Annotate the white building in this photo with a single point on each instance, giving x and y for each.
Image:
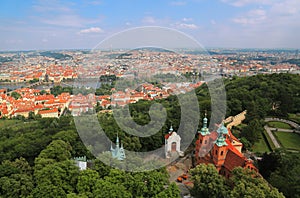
(172, 144)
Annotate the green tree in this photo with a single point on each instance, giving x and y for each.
(16, 95)
(58, 150)
(48, 190)
(247, 183)
(252, 132)
(207, 182)
(171, 192)
(17, 185)
(286, 175)
(61, 174)
(104, 188)
(87, 180)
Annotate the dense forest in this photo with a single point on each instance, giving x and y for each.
(36, 153)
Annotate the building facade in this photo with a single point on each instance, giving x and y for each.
(220, 148)
(172, 144)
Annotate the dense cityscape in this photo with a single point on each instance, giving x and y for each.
(133, 99)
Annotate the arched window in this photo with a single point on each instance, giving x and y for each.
(216, 152)
(222, 153)
(205, 142)
(200, 141)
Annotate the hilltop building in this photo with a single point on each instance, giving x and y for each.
(220, 148)
(118, 152)
(172, 144)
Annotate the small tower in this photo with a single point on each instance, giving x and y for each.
(118, 152)
(172, 144)
(220, 148)
(203, 141)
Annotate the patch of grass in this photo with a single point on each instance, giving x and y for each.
(280, 125)
(294, 117)
(288, 140)
(261, 146)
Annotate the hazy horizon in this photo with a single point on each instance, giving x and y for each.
(82, 24)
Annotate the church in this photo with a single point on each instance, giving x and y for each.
(118, 152)
(172, 144)
(220, 148)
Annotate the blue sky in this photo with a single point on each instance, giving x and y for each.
(58, 24)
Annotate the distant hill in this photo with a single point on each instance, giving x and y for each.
(56, 55)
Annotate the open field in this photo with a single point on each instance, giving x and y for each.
(280, 125)
(261, 146)
(288, 140)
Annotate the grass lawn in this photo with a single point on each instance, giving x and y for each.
(261, 146)
(5, 123)
(280, 125)
(294, 117)
(288, 140)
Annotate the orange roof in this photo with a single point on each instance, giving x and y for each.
(168, 135)
(233, 160)
(48, 111)
(233, 149)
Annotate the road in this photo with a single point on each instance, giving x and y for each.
(284, 130)
(274, 140)
(293, 124)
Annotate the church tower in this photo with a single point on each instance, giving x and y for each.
(118, 152)
(220, 148)
(203, 143)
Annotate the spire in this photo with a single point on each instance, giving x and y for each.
(118, 152)
(117, 141)
(204, 130)
(222, 130)
(171, 129)
(205, 120)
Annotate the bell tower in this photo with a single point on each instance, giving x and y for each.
(220, 148)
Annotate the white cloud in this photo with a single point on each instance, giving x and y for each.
(240, 3)
(186, 26)
(187, 19)
(149, 20)
(252, 17)
(91, 30)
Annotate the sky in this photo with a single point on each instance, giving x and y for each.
(82, 24)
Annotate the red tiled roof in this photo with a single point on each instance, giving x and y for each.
(233, 160)
(233, 149)
(168, 135)
(48, 111)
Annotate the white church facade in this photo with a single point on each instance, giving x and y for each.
(172, 144)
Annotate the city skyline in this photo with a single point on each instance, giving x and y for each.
(82, 24)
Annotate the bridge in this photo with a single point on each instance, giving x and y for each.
(31, 85)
